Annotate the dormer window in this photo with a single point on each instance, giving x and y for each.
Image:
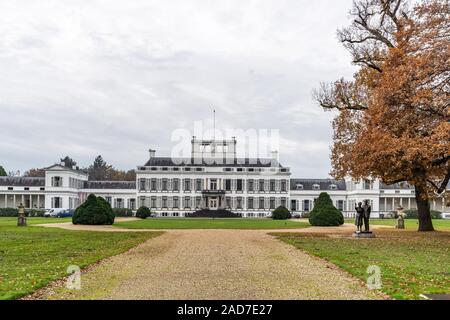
(333, 187)
(316, 186)
(299, 186)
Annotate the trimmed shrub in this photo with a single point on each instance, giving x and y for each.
(94, 211)
(413, 214)
(122, 212)
(325, 213)
(281, 213)
(143, 212)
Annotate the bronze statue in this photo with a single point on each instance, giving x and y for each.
(359, 217)
(367, 209)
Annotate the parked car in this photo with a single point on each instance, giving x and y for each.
(53, 212)
(66, 213)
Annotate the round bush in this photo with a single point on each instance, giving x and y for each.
(143, 212)
(413, 214)
(325, 213)
(94, 211)
(281, 213)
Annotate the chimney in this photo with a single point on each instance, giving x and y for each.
(152, 153)
(275, 155)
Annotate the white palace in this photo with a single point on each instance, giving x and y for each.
(212, 178)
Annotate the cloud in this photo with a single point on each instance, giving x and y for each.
(117, 77)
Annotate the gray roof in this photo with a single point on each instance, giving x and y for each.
(323, 183)
(182, 162)
(22, 181)
(110, 185)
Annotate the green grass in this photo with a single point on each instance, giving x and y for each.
(410, 224)
(411, 263)
(196, 223)
(31, 257)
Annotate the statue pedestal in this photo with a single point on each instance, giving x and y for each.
(21, 222)
(363, 234)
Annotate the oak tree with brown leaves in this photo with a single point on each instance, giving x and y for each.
(393, 119)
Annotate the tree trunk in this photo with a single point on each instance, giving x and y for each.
(423, 209)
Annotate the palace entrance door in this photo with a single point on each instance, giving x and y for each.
(213, 203)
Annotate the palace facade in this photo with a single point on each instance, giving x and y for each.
(212, 178)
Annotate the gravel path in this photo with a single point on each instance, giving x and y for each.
(213, 264)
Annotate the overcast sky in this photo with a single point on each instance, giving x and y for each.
(118, 77)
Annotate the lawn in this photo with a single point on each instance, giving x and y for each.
(31, 257)
(411, 263)
(197, 223)
(410, 224)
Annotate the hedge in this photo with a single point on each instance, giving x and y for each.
(413, 214)
(122, 212)
(143, 212)
(281, 213)
(14, 212)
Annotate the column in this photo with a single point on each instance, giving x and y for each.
(31, 201)
(401, 202)
(393, 204)
(409, 203)
(6, 201)
(385, 204)
(23, 200)
(14, 203)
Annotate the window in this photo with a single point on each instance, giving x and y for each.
(367, 184)
(251, 169)
(250, 185)
(176, 202)
(26, 188)
(56, 181)
(228, 185)
(153, 185)
(283, 185)
(261, 185)
(132, 204)
(306, 205)
(239, 184)
(153, 202)
(272, 185)
(261, 203)
(175, 169)
(109, 200)
(42, 189)
(10, 188)
(56, 202)
(141, 184)
(154, 169)
(198, 185)
(198, 202)
(187, 185)
(239, 169)
(283, 202)
(164, 184)
(118, 203)
(213, 184)
(250, 203)
(175, 214)
(272, 203)
(239, 203)
(333, 187)
(228, 203)
(228, 169)
(187, 202)
(164, 202)
(340, 205)
(299, 186)
(165, 169)
(316, 186)
(293, 205)
(187, 169)
(198, 169)
(176, 185)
